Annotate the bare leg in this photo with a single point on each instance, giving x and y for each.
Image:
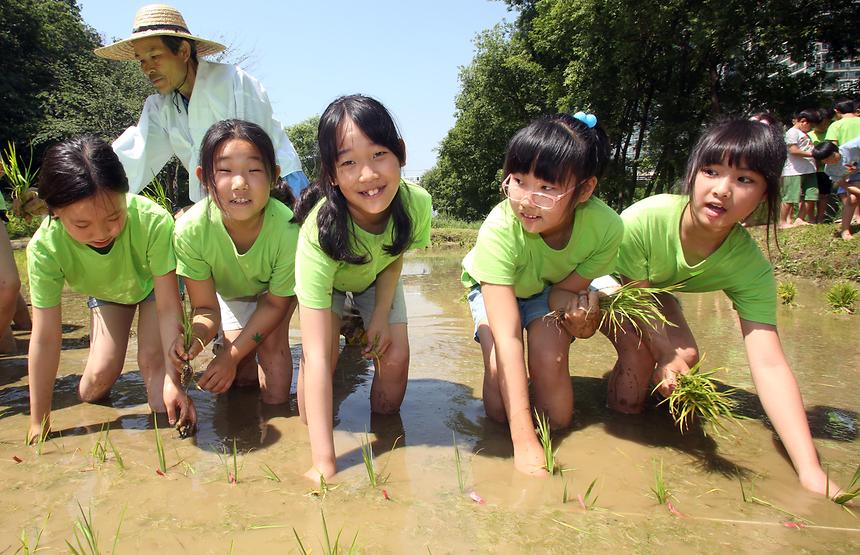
(389, 380)
(549, 351)
(275, 371)
(150, 355)
(108, 343)
(10, 286)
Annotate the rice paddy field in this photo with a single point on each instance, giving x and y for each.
(445, 481)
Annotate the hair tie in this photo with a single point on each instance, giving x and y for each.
(588, 119)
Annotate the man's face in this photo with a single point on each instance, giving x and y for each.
(164, 69)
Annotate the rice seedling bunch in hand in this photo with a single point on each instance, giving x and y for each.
(637, 305)
(186, 376)
(696, 397)
(25, 202)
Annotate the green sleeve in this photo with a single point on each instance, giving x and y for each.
(421, 211)
(753, 294)
(605, 254)
(46, 276)
(162, 258)
(494, 256)
(632, 257)
(315, 270)
(189, 260)
(283, 280)
(833, 132)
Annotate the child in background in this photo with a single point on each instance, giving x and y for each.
(116, 247)
(825, 185)
(840, 163)
(351, 244)
(538, 250)
(236, 250)
(799, 183)
(695, 241)
(10, 284)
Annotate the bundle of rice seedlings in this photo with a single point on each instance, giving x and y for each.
(187, 374)
(156, 192)
(637, 305)
(843, 297)
(696, 397)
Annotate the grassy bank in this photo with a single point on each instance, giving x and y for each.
(812, 252)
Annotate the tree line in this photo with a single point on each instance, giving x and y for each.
(653, 71)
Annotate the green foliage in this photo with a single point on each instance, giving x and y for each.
(545, 436)
(786, 291)
(20, 176)
(19, 227)
(303, 135)
(852, 491)
(842, 298)
(654, 72)
(696, 396)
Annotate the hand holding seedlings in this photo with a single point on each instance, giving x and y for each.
(695, 396)
(666, 374)
(580, 315)
(377, 338)
(178, 403)
(220, 373)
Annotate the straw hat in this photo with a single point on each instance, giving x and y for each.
(152, 21)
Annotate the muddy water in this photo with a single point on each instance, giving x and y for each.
(195, 509)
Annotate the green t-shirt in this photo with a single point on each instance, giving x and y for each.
(652, 251)
(317, 274)
(143, 249)
(205, 250)
(843, 130)
(816, 140)
(506, 254)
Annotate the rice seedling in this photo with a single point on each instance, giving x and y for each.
(696, 397)
(637, 305)
(86, 539)
(226, 459)
(367, 456)
(587, 502)
(461, 481)
(116, 455)
(39, 441)
(99, 450)
(323, 490)
(842, 298)
(545, 437)
(186, 376)
(660, 491)
(159, 447)
(786, 291)
(20, 177)
(269, 473)
(851, 492)
(157, 193)
(328, 547)
(752, 499)
(27, 546)
(564, 497)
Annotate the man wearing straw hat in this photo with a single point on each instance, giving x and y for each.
(192, 95)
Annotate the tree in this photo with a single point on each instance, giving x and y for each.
(303, 135)
(653, 71)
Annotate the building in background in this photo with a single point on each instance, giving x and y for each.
(845, 74)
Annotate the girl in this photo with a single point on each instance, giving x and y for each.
(539, 250)
(237, 281)
(695, 241)
(352, 243)
(115, 247)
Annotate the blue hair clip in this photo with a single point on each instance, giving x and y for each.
(588, 119)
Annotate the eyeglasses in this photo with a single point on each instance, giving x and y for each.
(542, 200)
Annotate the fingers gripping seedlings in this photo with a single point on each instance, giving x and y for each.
(696, 397)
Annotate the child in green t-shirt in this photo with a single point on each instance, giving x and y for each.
(537, 251)
(236, 252)
(351, 245)
(116, 248)
(696, 243)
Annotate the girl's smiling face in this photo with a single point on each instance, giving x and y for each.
(242, 181)
(368, 175)
(543, 207)
(724, 195)
(95, 221)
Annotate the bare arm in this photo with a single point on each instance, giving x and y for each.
(780, 396)
(170, 326)
(206, 313)
(316, 326)
(377, 329)
(44, 359)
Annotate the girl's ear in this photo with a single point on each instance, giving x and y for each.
(403, 145)
(199, 173)
(277, 175)
(586, 189)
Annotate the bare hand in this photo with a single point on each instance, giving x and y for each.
(665, 376)
(175, 398)
(220, 373)
(582, 315)
(378, 338)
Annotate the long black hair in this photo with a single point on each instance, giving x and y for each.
(335, 226)
(79, 168)
(751, 144)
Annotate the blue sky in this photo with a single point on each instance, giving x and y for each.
(407, 54)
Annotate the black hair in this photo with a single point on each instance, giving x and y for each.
(743, 143)
(229, 129)
(175, 43)
(824, 150)
(79, 168)
(811, 115)
(558, 149)
(846, 106)
(827, 113)
(335, 226)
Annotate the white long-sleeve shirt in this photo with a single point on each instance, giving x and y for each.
(221, 91)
